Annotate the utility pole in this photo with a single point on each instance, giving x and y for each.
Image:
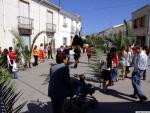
(59, 3)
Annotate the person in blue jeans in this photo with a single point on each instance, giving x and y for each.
(139, 67)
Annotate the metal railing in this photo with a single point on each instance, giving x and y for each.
(50, 27)
(64, 24)
(25, 23)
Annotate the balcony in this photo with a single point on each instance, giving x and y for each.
(25, 23)
(50, 28)
(65, 25)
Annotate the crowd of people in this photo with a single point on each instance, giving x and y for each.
(42, 53)
(9, 58)
(60, 75)
(119, 64)
(8, 61)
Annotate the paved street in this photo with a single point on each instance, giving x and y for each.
(115, 101)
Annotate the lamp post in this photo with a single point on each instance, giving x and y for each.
(59, 3)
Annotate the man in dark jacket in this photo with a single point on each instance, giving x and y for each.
(59, 85)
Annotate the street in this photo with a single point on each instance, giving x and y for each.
(117, 99)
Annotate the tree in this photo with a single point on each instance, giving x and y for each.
(122, 39)
(128, 33)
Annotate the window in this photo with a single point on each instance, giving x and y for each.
(72, 22)
(64, 22)
(23, 9)
(26, 40)
(142, 21)
(49, 17)
(135, 23)
(64, 41)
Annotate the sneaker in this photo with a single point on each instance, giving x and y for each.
(133, 96)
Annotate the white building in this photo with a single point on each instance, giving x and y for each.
(69, 25)
(30, 17)
(141, 25)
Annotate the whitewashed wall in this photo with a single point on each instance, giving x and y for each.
(9, 11)
(8, 21)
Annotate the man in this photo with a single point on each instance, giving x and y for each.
(60, 82)
(139, 67)
(50, 51)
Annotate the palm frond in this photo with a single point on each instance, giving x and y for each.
(19, 44)
(112, 40)
(8, 95)
(128, 28)
(18, 38)
(34, 40)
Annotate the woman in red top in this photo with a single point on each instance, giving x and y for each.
(114, 65)
(11, 57)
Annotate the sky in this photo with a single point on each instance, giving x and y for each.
(98, 15)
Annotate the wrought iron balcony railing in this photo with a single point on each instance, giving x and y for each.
(64, 24)
(50, 27)
(25, 23)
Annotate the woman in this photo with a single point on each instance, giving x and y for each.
(114, 65)
(59, 85)
(12, 57)
(128, 61)
(5, 63)
(46, 50)
(89, 52)
(41, 52)
(76, 56)
(35, 54)
(122, 63)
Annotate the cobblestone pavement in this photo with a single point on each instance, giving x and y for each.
(117, 99)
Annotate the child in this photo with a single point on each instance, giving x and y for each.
(14, 69)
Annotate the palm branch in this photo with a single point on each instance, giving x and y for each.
(8, 95)
(19, 44)
(128, 33)
(34, 40)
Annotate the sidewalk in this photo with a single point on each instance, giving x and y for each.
(116, 101)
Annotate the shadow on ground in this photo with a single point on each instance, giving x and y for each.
(39, 107)
(120, 107)
(117, 94)
(101, 107)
